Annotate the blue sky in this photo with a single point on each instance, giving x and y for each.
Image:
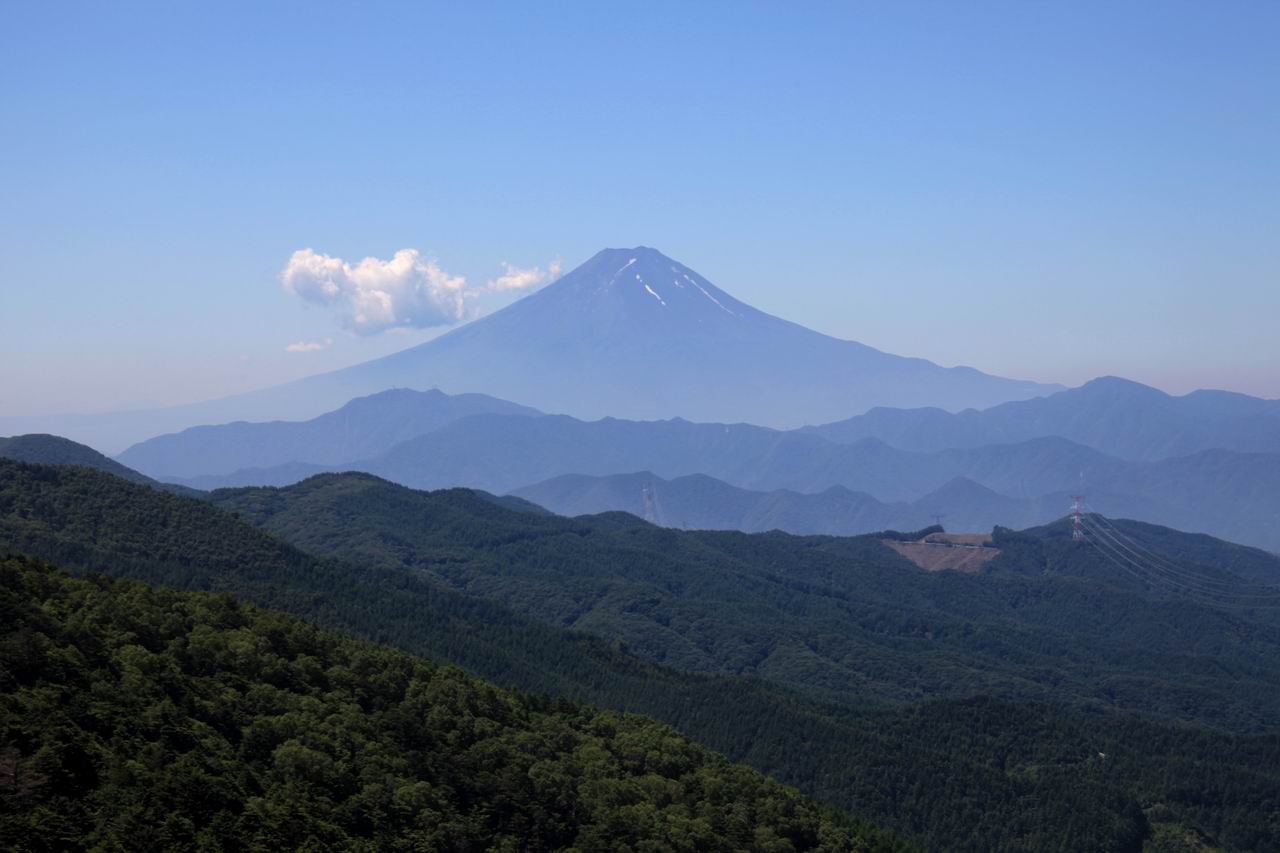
(1050, 191)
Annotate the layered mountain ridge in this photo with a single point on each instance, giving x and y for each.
(700, 502)
(1116, 416)
(361, 429)
(803, 481)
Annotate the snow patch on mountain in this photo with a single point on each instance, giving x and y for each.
(654, 294)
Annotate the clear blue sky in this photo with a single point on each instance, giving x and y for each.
(1051, 191)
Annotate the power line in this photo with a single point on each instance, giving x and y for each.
(1147, 573)
(1153, 574)
(1167, 567)
(1108, 548)
(1164, 585)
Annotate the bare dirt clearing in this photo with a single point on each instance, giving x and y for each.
(957, 552)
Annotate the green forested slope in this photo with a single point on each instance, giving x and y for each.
(842, 619)
(42, 449)
(1214, 558)
(141, 719)
(972, 775)
(56, 450)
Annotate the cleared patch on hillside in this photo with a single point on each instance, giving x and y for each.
(956, 552)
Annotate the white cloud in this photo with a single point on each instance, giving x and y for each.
(516, 278)
(375, 295)
(308, 346)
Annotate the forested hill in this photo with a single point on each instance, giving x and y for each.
(1217, 561)
(55, 450)
(974, 774)
(842, 619)
(141, 719)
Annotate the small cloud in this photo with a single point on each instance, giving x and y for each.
(407, 292)
(375, 295)
(309, 346)
(516, 278)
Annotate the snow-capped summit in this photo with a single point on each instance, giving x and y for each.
(653, 280)
(625, 291)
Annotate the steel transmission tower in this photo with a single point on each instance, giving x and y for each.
(1077, 510)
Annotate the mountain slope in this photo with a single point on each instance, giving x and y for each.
(364, 427)
(1042, 783)
(1112, 415)
(56, 450)
(215, 725)
(629, 333)
(795, 610)
(1240, 561)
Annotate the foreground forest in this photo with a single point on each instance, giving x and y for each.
(144, 719)
(971, 772)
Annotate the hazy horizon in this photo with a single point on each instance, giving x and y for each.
(413, 340)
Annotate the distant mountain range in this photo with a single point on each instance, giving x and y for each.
(750, 477)
(500, 453)
(1116, 416)
(630, 333)
(697, 501)
(1206, 461)
(1232, 495)
(364, 428)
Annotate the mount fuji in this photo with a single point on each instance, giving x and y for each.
(630, 333)
(634, 334)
